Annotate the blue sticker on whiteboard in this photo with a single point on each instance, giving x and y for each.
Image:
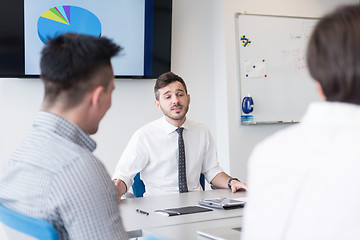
(247, 118)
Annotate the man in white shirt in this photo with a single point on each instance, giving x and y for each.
(153, 149)
(304, 181)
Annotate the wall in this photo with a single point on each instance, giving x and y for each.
(203, 53)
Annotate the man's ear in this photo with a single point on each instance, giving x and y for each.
(320, 91)
(157, 104)
(95, 95)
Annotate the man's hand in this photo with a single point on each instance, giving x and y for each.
(237, 186)
(120, 187)
(221, 181)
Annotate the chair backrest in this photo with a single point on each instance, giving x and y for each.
(202, 181)
(139, 187)
(19, 226)
(151, 237)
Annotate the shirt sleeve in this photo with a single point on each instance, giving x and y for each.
(210, 167)
(85, 198)
(133, 160)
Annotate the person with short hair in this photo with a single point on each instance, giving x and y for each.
(154, 149)
(53, 174)
(303, 180)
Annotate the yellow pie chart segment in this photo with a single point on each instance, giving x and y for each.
(53, 14)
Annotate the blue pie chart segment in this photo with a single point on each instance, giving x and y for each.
(63, 19)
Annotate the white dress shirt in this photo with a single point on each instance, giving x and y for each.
(304, 181)
(153, 151)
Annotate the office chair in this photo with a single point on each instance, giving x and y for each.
(19, 226)
(139, 187)
(154, 238)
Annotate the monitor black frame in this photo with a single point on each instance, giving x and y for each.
(158, 27)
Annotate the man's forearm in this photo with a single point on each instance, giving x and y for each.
(220, 180)
(121, 187)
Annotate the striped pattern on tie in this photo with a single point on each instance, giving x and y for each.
(182, 165)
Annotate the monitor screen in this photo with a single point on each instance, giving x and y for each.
(141, 27)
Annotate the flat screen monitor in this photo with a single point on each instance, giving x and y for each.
(141, 27)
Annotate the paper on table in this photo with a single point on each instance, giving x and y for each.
(167, 213)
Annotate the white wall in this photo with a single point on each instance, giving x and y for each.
(203, 53)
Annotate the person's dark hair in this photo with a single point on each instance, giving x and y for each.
(333, 54)
(68, 63)
(165, 79)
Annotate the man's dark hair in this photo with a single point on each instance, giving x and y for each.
(68, 63)
(333, 54)
(165, 79)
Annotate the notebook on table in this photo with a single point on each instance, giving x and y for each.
(182, 210)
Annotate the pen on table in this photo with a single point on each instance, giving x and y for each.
(141, 211)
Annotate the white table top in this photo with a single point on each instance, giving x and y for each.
(134, 222)
(189, 230)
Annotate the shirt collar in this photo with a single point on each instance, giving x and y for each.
(169, 128)
(65, 129)
(325, 112)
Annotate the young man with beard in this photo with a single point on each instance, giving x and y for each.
(154, 149)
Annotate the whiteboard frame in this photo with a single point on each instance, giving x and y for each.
(237, 39)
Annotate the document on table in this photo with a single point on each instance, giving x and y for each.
(182, 210)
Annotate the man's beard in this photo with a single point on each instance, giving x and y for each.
(176, 117)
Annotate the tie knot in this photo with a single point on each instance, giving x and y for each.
(179, 130)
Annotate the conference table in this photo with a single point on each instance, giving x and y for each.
(185, 226)
(188, 231)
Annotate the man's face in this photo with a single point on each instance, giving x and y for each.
(104, 102)
(173, 102)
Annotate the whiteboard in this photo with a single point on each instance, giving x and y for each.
(272, 66)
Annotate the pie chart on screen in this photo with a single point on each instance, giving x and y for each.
(63, 19)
